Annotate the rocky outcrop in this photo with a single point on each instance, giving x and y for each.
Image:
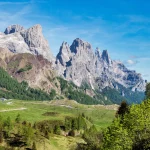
(13, 29)
(36, 42)
(19, 40)
(78, 63)
(78, 66)
(62, 58)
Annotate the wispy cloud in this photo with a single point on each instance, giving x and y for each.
(21, 2)
(131, 62)
(13, 3)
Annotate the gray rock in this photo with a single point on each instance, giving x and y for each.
(14, 42)
(37, 43)
(64, 54)
(80, 64)
(13, 29)
(19, 40)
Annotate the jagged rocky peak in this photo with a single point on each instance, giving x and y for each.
(64, 54)
(20, 40)
(33, 36)
(105, 56)
(37, 43)
(98, 53)
(79, 63)
(80, 45)
(13, 29)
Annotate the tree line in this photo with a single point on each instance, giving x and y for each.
(10, 88)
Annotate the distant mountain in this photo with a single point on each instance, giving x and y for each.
(26, 55)
(79, 63)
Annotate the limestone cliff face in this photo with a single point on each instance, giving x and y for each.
(13, 29)
(78, 63)
(19, 40)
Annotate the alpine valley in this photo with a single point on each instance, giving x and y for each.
(78, 72)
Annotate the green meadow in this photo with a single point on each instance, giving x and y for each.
(34, 111)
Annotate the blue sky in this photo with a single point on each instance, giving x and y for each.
(120, 26)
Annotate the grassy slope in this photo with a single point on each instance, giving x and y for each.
(101, 116)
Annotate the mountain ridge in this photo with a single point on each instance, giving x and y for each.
(77, 63)
(90, 66)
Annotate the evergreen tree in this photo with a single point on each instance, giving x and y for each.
(57, 129)
(74, 124)
(18, 118)
(147, 92)
(122, 109)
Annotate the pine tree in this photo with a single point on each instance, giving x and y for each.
(18, 118)
(74, 124)
(57, 129)
(122, 109)
(147, 92)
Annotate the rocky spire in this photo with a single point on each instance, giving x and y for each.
(98, 53)
(97, 68)
(64, 54)
(79, 45)
(37, 43)
(13, 29)
(105, 56)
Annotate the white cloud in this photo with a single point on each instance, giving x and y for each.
(131, 62)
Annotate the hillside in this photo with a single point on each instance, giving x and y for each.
(10, 88)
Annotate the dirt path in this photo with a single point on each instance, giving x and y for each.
(12, 109)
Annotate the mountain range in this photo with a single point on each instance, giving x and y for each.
(25, 54)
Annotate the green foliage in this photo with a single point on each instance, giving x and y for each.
(18, 118)
(81, 122)
(8, 123)
(85, 85)
(63, 84)
(147, 92)
(28, 133)
(57, 129)
(73, 93)
(52, 93)
(67, 123)
(26, 68)
(92, 138)
(132, 132)
(124, 108)
(116, 95)
(77, 123)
